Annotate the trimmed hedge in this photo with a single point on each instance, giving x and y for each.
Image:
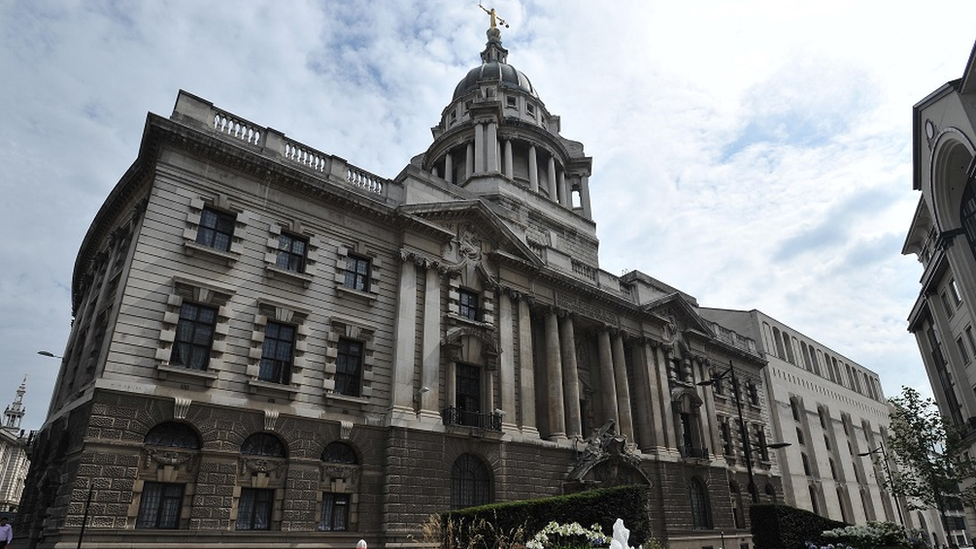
(785, 527)
(481, 527)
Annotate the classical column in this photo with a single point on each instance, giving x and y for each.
(431, 350)
(491, 147)
(642, 399)
(710, 420)
(405, 336)
(506, 360)
(655, 396)
(567, 337)
(526, 369)
(479, 148)
(553, 184)
(509, 163)
(533, 170)
(557, 416)
(433, 171)
(666, 412)
(623, 388)
(468, 161)
(585, 196)
(607, 384)
(564, 197)
(449, 167)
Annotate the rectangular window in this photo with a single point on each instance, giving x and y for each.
(335, 512)
(962, 349)
(827, 442)
(954, 291)
(216, 229)
(468, 394)
(511, 101)
(761, 443)
(349, 367)
(971, 339)
(753, 394)
(160, 505)
(254, 509)
(291, 253)
(277, 353)
(469, 305)
(945, 304)
(726, 438)
(194, 336)
(799, 437)
(357, 273)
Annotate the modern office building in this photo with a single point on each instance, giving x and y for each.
(274, 347)
(835, 417)
(942, 235)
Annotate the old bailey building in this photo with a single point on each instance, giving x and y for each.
(274, 347)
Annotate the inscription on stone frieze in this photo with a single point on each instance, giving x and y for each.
(585, 308)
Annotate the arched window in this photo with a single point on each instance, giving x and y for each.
(173, 435)
(470, 482)
(338, 452)
(163, 492)
(967, 215)
(701, 512)
(340, 479)
(263, 444)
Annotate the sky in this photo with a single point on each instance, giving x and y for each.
(754, 154)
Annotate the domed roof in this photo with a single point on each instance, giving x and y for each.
(495, 71)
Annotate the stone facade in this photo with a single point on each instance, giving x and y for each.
(13, 455)
(942, 235)
(268, 339)
(830, 410)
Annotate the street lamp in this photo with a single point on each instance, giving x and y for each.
(884, 454)
(48, 354)
(746, 446)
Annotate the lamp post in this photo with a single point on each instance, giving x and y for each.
(84, 518)
(746, 445)
(884, 455)
(48, 354)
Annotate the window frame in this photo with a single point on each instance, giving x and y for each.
(280, 370)
(287, 258)
(471, 483)
(355, 279)
(154, 506)
(209, 228)
(466, 309)
(333, 503)
(267, 496)
(197, 328)
(346, 377)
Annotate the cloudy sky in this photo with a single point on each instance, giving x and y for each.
(755, 153)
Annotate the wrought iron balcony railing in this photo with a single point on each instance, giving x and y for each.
(489, 421)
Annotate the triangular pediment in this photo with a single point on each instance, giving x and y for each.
(450, 219)
(678, 315)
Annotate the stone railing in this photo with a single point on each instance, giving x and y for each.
(584, 270)
(274, 144)
(734, 339)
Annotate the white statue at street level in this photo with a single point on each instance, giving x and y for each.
(621, 536)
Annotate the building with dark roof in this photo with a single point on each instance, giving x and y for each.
(273, 346)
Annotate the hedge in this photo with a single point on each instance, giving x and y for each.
(785, 527)
(481, 527)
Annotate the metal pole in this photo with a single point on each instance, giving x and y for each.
(84, 518)
(746, 447)
(891, 483)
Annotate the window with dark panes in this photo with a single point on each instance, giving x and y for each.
(335, 512)
(173, 435)
(338, 452)
(160, 505)
(277, 353)
(254, 509)
(701, 513)
(216, 229)
(469, 305)
(349, 367)
(357, 273)
(468, 393)
(194, 336)
(470, 482)
(292, 251)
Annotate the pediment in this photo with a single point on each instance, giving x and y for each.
(679, 317)
(473, 227)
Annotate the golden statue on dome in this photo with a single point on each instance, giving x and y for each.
(495, 20)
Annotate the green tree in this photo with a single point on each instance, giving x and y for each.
(931, 453)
